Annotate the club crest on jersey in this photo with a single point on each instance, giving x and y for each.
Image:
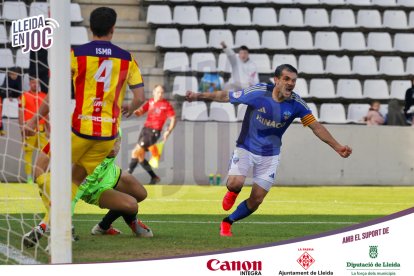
(286, 115)
(237, 94)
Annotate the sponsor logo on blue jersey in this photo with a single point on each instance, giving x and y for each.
(269, 123)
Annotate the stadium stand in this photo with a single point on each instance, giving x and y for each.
(345, 42)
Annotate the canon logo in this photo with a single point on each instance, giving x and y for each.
(215, 265)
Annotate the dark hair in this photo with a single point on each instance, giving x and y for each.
(244, 47)
(288, 67)
(102, 20)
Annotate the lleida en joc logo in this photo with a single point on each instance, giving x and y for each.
(244, 267)
(33, 33)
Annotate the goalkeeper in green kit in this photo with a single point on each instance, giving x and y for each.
(108, 187)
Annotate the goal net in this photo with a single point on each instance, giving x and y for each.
(23, 76)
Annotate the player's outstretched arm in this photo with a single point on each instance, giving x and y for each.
(217, 96)
(322, 133)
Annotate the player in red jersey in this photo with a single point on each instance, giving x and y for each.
(159, 110)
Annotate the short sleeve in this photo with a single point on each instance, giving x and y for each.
(248, 95)
(134, 77)
(145, 106)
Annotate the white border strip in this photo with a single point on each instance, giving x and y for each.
(16, 255)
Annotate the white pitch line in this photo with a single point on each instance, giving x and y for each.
(219, 200)
(16, 255)
(241, 222)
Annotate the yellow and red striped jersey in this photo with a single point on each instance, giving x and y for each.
(101, 71)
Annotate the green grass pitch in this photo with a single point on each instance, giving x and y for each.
(185, 219)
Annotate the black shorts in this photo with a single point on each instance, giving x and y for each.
(148, 137)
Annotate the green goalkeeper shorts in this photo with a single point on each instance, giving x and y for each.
(104, 177)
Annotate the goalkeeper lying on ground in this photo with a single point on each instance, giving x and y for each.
(107, 187)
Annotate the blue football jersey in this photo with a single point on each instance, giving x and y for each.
(266, 120)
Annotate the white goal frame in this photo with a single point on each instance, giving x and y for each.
(60, 136)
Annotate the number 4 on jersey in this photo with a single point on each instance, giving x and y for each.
(104, 74)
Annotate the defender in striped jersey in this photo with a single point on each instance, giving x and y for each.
(101, 71)
(271, 109)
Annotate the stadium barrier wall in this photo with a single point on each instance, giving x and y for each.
(382, 155)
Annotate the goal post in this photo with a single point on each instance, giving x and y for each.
(60, 136)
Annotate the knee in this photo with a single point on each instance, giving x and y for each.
(142, 195)
(234, 184)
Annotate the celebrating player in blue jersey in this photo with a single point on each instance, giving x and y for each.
(271, 109)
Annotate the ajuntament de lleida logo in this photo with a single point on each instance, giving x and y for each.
(373, 251)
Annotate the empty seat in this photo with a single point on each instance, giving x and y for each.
(2, 78)
(332, 113)
(291, 17)
(406, 3)
(203, 62)
(14, 10)
(194, 111)
(194, 38)
(280, 59)
(301, 88)
(376, 89)
(249, 38)
(384, 2)
(395, 19)
(262, 62)
(338, 65)
(359, 2)
(217, 36)
(238, 16)
(409, 69)
(241, 111)
(6, 58)
(343, 18)
(176, 62)
(78, 35)
(222, 112)
(224, 63)
(379, 42)
(159, 14)
(39, 8)
(311, 64)
(404, 42)
(327, 41)
(22, 60)
(314, 110)
(75, 13)
(3, 34)
(392, 66)
(364, 65)
(167, 38)
(185, 15)
(264, 17)
(369, 19)
(10, 108)
(349, 89)
(322, 88)
(354, 41)
(357, 112)
(333, 2)
(273, 40)
(212, 16)
(301, 40)
(182, 84)
(281, 1)
(316, 17)
(398, 88)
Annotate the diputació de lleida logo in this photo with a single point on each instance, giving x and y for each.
(373, 251)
